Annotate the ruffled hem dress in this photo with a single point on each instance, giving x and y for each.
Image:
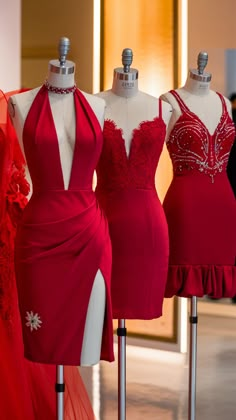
(200, 208)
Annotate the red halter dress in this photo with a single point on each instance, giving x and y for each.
(137, 224)
(200, 208)
(27, 389)
(62, 240)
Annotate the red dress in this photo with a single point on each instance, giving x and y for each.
(26, 388)
(200, 208)
(137, 224)
(62, 240)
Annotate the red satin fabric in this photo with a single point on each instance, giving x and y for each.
(26, 388)
(62, 240)
(200, 208)
(137, 224)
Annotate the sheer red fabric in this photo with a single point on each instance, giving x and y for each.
(26, 388)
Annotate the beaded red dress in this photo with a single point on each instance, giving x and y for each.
(200, 208)
(137, 224)
(62, 239)
(26, 388)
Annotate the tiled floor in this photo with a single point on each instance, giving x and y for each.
(158, 390)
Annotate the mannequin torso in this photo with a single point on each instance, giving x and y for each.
(63, 112)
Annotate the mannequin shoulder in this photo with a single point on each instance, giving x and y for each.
(168, 98)
(166, 112)
(104, 94)
(107, 96)
(21, 102)
(228, 105)
(98, 106)
(215, 96)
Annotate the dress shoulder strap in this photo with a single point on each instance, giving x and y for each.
(180, 101)
(224, 106)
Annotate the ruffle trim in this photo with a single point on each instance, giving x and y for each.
(217, 281)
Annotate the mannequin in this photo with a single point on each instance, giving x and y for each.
(63, 112)
(202, 232)
(134, 133)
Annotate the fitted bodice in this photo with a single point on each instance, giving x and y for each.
(42, 148)
(193, 148)
(116, 170)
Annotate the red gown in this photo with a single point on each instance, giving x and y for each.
(26, 388)
(137, 224)
(62, 239)
(200, 208)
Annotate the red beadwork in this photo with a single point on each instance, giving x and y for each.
(200, 208)
(192, 147)
(61, 91)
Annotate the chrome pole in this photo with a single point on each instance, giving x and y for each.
(121, 332)
(193, 319)
(60, 389)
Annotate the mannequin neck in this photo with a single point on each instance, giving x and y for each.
(197, 87)
(56, 78)
(125, 84)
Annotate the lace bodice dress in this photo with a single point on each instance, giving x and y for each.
(137, 225)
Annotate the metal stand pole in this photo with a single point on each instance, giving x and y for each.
(121, 333)
(193, 319)
(60, 389)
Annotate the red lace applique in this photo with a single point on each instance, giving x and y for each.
(13, 191)
(116, 170)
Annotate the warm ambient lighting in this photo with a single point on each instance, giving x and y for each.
(147, 28)
(183, 40)
(96, 44)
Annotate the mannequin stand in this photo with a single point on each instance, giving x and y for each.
(193, 319)
(60, 389)
(121, 333)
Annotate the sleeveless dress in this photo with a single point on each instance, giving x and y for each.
(200, 208)
(26, 388)
(62, 240)
(137, 224)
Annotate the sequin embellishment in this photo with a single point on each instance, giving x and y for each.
(33, 321)
(192, 147)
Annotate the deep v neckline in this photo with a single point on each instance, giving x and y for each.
(122, 140)
(185, 110)
(134, 133)
(57, 142)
